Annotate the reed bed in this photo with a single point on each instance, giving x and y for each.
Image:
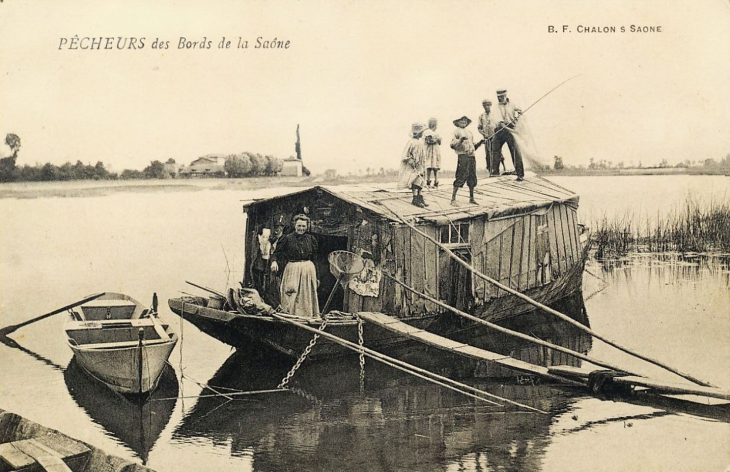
(693, 226)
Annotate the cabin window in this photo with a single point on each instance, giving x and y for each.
(455, 234)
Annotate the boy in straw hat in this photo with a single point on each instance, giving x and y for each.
(412, 167)
(466, 167)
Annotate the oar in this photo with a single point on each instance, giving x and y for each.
(9, 329)
(210, 290)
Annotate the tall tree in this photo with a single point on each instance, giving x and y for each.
(7, 164)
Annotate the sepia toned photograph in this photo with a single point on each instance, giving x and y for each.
(475, 235)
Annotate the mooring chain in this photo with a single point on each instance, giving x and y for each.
(304, 355)
(362, 352)
(307, 396)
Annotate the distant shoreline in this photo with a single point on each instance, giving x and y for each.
(635, 171)
(88, 188)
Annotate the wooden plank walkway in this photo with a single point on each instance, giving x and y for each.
(431, 339)
(51, 453)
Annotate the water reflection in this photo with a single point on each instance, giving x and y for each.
(673, 268)
(397, 423)
(135, 423)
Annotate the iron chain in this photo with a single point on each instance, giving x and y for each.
(304, 355)
(362, 353)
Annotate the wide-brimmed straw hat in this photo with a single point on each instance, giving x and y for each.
(418, 128)
(468, 121)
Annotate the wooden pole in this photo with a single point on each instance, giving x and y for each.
(555, 312)
(9, 329)
(404, 366)
(511, 332)
(332, 295)
(209, 290)
(140, 334)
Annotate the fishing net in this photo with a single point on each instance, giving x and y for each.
(345, 265)
(531, 157)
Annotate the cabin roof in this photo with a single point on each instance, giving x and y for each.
(495, 197)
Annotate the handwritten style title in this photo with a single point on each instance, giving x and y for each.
(100, 43)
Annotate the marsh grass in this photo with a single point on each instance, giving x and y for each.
(693, 226)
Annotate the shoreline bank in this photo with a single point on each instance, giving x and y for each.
(96, 188)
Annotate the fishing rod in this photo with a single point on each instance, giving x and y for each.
(522, 112)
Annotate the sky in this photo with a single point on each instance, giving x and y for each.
(357, 75)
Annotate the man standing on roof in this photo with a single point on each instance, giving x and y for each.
(486, 129)
(412, 168)
(466, 167)
(433, 152)
(504, 132)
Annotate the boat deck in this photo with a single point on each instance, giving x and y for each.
(426, 337)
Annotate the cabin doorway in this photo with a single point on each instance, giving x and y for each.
(327, 281)
(455, 281)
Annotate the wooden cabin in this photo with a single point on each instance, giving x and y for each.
(523, 234)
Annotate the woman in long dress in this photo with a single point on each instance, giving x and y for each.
(412, 167)
(299, 281)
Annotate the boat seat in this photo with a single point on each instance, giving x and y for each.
(122, 344)
(98, 310)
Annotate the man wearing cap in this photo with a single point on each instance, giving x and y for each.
(412, 165)
(466, 167)
(503, 133)
(486, 128)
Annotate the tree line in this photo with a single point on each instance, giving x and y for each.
(248, 164)
(245, 164)
(722, 166)
(50, 172)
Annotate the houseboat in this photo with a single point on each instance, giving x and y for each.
(523, 234)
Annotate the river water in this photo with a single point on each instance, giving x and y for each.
(55, 250)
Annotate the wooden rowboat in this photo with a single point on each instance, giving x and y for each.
(120, 342)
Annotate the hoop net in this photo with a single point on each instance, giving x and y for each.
(345, 265)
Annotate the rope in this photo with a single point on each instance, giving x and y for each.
(409, 368)
(182, 337)
(228, 396)
(601, 381)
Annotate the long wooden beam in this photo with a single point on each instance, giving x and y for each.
(513, 333)
(655, 385)
(455, 347)
(557, 313)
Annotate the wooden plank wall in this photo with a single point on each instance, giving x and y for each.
(510, 251)
(564, 248)
(414, 260)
